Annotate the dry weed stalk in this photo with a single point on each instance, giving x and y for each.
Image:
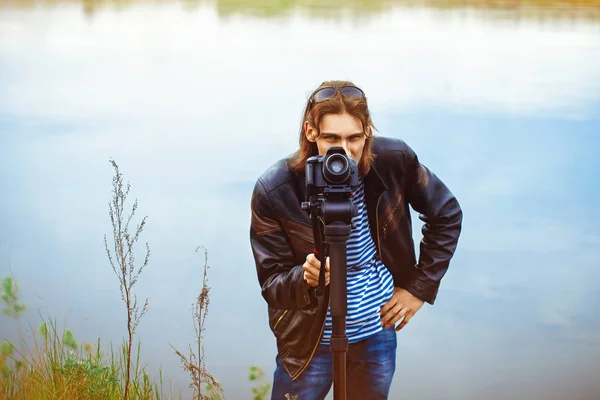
(123, 260)
(196, 364)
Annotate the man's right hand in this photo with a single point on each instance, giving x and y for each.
(312, 268)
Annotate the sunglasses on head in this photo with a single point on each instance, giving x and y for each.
(329, 92)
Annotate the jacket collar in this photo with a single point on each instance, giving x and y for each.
(374, 182)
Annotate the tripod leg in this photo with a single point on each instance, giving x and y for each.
(337, 235)
(339, 346)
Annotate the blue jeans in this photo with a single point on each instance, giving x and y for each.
(370, 367)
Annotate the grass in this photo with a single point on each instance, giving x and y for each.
(55, 366)
(49, 362)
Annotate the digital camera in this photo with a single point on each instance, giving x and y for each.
(334, 173)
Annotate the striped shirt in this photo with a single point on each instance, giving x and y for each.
(369, 284)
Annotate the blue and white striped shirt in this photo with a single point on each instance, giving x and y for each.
(370, 285)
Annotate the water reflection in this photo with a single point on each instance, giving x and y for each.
(195, 102)
(512, 11)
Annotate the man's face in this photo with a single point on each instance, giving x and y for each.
(343, 130)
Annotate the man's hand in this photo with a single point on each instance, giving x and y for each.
(402, 304)
(312, 268)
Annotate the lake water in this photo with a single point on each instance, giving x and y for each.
(195, 99)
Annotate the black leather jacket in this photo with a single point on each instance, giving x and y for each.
(281, 237)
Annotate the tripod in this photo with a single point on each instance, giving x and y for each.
(331, 217)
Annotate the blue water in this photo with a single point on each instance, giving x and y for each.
(193, 110)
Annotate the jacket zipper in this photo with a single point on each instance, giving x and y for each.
(377, 220)
(279, 320)
(389, 220)
(317, 345)
(300, 235)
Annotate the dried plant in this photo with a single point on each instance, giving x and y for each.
(123, 261)
(195, 364)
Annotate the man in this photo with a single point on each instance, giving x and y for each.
(385, 283)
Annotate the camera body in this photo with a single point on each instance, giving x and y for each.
(333, 173)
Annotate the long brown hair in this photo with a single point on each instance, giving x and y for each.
(337, 105)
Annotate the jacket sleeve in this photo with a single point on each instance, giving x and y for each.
(281, 281)
(441, 213)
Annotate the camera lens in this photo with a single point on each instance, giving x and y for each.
(336, 166)
(336, 169)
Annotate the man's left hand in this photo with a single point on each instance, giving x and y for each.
(402, 304)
